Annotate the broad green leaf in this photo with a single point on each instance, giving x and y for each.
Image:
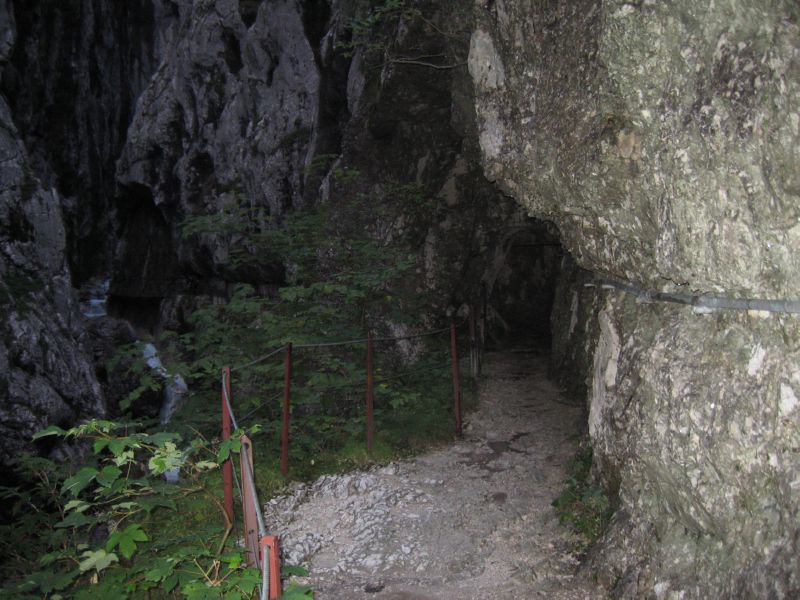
(170, 582)
(76, 505)
(198, 590)
(97, 560)
(52, 430)
(79, 481)
(51, 557)
(123, 445)
(99, 444)
(205, 465)
(76, 519)
(108, 475)
(163, 570)
(232, 559)
(248, 580)
(149, 503)
(232, 444)
(123, 458)
(127, 540)
(166, 458)
(47, 581)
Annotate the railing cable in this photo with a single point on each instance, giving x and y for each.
(312, 345)
(252, 484)
(258, 360)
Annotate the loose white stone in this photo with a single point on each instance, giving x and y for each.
(756, 360)
(484, 62)
(788, 400)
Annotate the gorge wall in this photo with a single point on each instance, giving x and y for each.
(142, 116)
(46, 375)
(662, 139)
(256, 107)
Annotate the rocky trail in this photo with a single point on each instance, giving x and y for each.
(472, 520)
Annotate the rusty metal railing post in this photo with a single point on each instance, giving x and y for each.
(456, 377)
(227, 467)
(270, 553)
(251, 528)
(287, 386)
(370, 395)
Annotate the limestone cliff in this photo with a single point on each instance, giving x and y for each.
(260, 107)
(72, 80)
(225, 122)
(661, 138)
(142, 115)
(46, 376)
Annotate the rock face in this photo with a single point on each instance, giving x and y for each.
(661, 138)
(45, 375)
(696, 417)
(72, 80)
(259, 108)
(143, 115)
(224, 124)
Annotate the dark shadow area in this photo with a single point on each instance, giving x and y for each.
(521, 287)
(145, 268)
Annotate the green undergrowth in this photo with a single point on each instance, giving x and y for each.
(319, 444)
(582, 505)
(109, 526)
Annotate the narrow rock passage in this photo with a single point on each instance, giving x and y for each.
(472, 520)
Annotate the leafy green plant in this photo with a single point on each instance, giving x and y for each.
(583, 506)
(347, 269)
(109, 526)
(95, 531)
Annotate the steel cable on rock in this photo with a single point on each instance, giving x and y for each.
(700, 303)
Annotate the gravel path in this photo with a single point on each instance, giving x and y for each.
(472, 520)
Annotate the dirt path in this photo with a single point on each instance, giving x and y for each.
(472, 520)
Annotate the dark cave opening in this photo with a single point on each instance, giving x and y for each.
(520, 288)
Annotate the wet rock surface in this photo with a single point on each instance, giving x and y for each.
(224, 123)
(264, 111)
(470, 520)
(72, 80)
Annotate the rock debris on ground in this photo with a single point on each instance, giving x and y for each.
(472, 520)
